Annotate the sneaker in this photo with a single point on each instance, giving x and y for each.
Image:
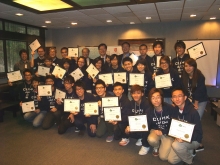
(124, 142)
(76, 129)
(139, 143)
(109, 139)
(200, 148)
(144, 150)
(155, 152)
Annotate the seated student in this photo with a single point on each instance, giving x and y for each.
(148, 81)
(78, 118)
(185, 111)
(66, 121)
(103, 126)
(139, 106)
(50, 105)
(166, 68)
(159, 124)
(36, 117)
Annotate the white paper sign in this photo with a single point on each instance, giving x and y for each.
(28, 106)
(134, 58)
(34, 45)
(14, 76)
(91, 108)
(71, 105)
(107, 78)
(59, 72)
(120, 77)
(197, 51)
(73, 52)
(43, 71)
(60, 94)
(92, 70)
(112, 113)
(138, 123)
(163, 81)
(44, 90)
(136, 79)
(77, 74)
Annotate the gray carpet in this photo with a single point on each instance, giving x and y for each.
(21, 144)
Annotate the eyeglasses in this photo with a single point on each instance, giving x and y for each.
(79, 89)
(99, 88)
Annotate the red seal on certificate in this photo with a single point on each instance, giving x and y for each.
(186, 136)
(48, 92)
(201, 52)
(123, 80)
(32, 107)
(95, 111)
(117, 116)
(144, 126)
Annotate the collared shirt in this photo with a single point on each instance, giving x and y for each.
(21, 65)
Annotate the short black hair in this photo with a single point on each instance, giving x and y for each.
(41, 47)
(35, 78)
(64, 48)
(113, 56)
(97, 60)
(69, 79)
(155, 90)
(118, 84)
(102, 44)
(158, 43)
(135, 88)
(180, 44)
(127, 59)
(80, 83)
(23, 51)
(142, 45)
(27, 70)
(48, 58)
(125, 43)
(99, 81)
(66, 60)
(50, 77)
(179, 89)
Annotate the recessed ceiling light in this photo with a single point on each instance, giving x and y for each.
(148, 17)
(212, 18)
(44, 26)
(47, 21)
(19, 14)
(74, 23)
(192, 15)
(132, 22)
(109, 20)
(68, 27)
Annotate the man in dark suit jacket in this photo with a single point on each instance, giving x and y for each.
(126, 52)
(85, 53)
(105, 58)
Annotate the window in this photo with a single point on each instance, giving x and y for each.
(1, 28)
(2, 64)
(12, 50)
(12, 27)
(33, 31)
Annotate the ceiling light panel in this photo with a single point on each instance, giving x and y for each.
(98, 2)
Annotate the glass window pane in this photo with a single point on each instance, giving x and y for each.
(12, 27)
(1, 28)
(2, 64)
(33, 31)
(12, 49)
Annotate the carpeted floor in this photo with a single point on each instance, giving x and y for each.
(21, 144)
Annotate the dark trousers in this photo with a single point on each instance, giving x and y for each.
(51, 118)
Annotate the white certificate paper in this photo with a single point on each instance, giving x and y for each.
(60, 94)
(120, 77)
(110, 101)
(136, 79)
(58, 71)
(158, 61)
(14, 76)
(134, 58)
(77, 74)
(73, 52)
(44, 90)
(182, 130)
(163, 81)
(112, 113)
(197, 51)
(91, 108)
(71, 105)
(34, 45)
(43, 71)
(138, 123)
(92, 70)
(28, 106)
(107, 78)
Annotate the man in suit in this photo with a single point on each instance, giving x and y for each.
(102, 52)
(85, 53)
(126, 52)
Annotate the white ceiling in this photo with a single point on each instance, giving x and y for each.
(159, 12)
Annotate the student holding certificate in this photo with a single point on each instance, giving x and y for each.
(159, 123)
(39, 61)
(165, 68)
(64, 54)
(184, 111)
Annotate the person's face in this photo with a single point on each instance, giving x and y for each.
(102, 51)
(27, 76)
(49, 82)
(156, 99)
(128, 66)
(114, 61)
(125, 48)
(80, 91)
(100, 90)
(180, 51)
(66, 65)
(68, 85)
(164, 65)
(24, 56)
(41, 52)
(81, 62)
(48, 63)
(140, 67)
(143, 50)
(158, 50)
(189, 69)
(52, 53)
(98, 65)
(64, 53)
(178, 98)
(137, 95)
(85, 53)
(35, 84)
(118, 91)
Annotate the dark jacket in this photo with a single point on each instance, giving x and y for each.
(125, 105)
(178, 63)
(48, 102)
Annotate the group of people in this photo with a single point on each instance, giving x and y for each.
(185, 100)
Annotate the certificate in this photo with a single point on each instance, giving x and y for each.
(110, 101)
(92, 70)
(34, 45)
(107, 78)
(28, 106)
(91, 108)
(120, 77)
(134, 58)
(136, 79)
(44, 90)
(71, 105)
(138, 123)
(73, 52)
(58, 71)
(14, 76)
(163, 81)
(112, 113)
(158, 61)
(77, 74)
(182, 130)
(60, 94)
(197, 51)
(43, 71)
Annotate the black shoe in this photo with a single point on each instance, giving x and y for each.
(81, 133)
(194, 153)
(200, 148)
